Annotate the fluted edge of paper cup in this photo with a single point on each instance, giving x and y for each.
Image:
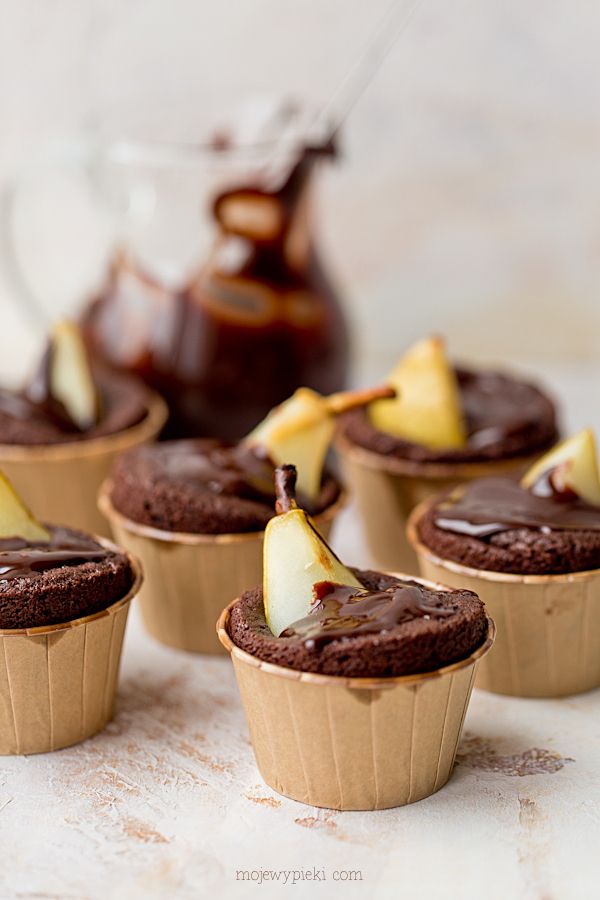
(484, 574)
(548, 643)
(58, 682)
(444, 471)
(108, 509)
(138, 579)
(342, 680)
(403, 730)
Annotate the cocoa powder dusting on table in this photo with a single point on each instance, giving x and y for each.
(478, 753)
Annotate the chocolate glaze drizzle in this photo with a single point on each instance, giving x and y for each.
(493, 505)
(20, 559)
(342, 612)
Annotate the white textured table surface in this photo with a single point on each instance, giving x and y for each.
(167, 801)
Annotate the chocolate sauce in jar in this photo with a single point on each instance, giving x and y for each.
(260, 319)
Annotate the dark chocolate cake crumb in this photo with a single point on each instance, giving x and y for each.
(418, 645)
(518, 551)
(147, 488)
(67, 592)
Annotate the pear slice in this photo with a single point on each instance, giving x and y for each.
(573, 465)
(295, 558)
(70, 376)
(300, 430)
(15, 518)
(427, 408)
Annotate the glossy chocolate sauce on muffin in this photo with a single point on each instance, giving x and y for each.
(20, 559)
(70, 576)
(344, 612)
(493, 505)
(392, 627)
(505, 417)
(234, 470)
(202, 487)
(496, 524)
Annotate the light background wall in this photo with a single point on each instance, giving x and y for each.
(467, 201)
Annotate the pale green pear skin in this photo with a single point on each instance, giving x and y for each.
(295, 558)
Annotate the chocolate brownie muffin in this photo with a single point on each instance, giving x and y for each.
(495, 524)
(396, 627)
(505, 417)
(50, 583)
(201, 487)
(23, 421)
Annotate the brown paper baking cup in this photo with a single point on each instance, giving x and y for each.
(548, 642)
(353, 743)
(387, 489)
(58, 682)
(189, 578)
(60, 482)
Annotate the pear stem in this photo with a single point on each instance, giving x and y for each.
(345, 400)
(285, 489)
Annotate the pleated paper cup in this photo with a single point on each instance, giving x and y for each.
(548, 642)
(58, 682)
(189, 578)
(60, 482)
(387, 489)
(353, 743)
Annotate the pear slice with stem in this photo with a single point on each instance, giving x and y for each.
(299, 431)
(70, 378)
(570, 466)
(427, 408)
(15, 519)
(295, 559)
